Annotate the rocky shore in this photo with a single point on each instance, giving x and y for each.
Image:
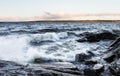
(85, 64)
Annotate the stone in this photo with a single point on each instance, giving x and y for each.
(94, 71)
(109, 57)
(44, 60)
(81, 40)
(89, 72)
(2, 64)
(98, 67)
(47, 69)
(91, 62)
(115, 67)
(95, 37)
(81, 57)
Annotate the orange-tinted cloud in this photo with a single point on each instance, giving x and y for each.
(65, 16)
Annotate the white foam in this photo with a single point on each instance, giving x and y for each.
(46, 37)
(17, 48)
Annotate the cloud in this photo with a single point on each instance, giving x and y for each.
(65, 16)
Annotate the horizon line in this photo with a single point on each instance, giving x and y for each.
(63, 21)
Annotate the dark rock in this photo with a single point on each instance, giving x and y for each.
(95, 71)
(115, 68)
(41, 73)
(81, 57)
(49, 30)
(44, 60)
(2, 64)
(90, 72)
(114, 44)
(109, 57)
(91, 62)
(84, 56)
(90, 53)
(48, 69)
(41, 60)
(116, 32)
(101, 36)
(81, 40)
(95, 37)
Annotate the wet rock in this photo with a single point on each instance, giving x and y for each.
(89, 72)
(91, 62)
(101, 36)
(98, 68)
(44, 60)
(115, 68)
(81, 40)
(2, 64)
(95, 37)
(95, 71)
(46, 69)
(49, 30)
(81, 57)
(64, 67)
(109, 57)
(116, 32)
(113, 57)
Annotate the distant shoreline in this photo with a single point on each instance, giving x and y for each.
(63, 21)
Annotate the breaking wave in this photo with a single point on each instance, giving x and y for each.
(50, 40)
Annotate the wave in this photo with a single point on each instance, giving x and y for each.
(55, 41)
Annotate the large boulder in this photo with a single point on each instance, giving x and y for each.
(95, 37)
(82, 57)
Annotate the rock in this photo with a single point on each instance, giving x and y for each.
(95, 37)
(98, 68)
(101, 36)
(91, 62)
(84, 56)
(89, 72)
(2, 64)
(82, 40)
(115, 68)
(116, 32)
(47, 69)
(81, 57)
(109, 57)
(94, 71)
(44, 60)
(114, 44)
(61, 68)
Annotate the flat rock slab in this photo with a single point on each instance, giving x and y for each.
(9, 68)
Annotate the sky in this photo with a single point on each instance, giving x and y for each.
(15, 10)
